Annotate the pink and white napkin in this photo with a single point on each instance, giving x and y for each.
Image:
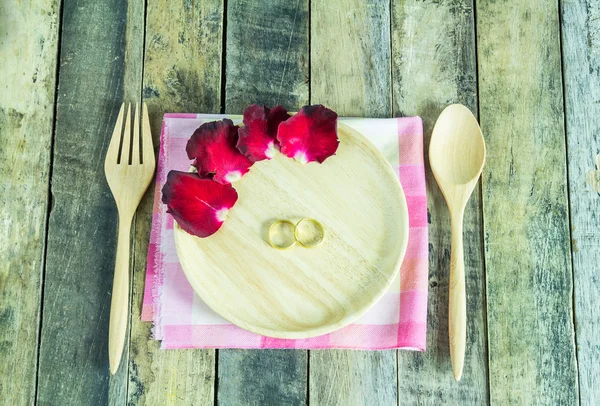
(399, 320)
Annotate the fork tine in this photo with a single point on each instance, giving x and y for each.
(126, 138)
(148, 149)
(112, 154)
(135, 154)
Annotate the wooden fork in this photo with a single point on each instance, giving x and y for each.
(129, 167)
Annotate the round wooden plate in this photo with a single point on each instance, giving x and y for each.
(301, 292)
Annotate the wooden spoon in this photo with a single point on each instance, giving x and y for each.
(456, 156)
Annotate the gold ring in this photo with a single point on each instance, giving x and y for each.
(308, 243)
(282, 246)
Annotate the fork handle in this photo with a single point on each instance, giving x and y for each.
(119, 306)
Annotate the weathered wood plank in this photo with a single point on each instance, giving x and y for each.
(433, 65)
(341, 377)
(527, 255)
(82, 226)
(267, 54)
(132, 90)
(182, 73)
(266, 62)
(350, 73)
(350, 57)
(28, 58)
(581, 68)
(262, 377)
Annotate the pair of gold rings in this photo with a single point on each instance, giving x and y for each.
(284, 234)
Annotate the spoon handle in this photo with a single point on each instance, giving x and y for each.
(457, 307)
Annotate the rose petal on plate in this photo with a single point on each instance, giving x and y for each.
(199, 205)
(213, 148)
(258, 137)
(310, 135)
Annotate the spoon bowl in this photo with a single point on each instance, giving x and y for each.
(457, 155)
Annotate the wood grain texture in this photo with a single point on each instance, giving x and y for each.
(182, 66)
(268, 42)
(27, 85)
(350, 57)
(132, 90)
(341, 279)
(350, 73)
(527, 247)
(581, 70)
(340, 377)
(262, 377)
(267, 54)
(82, 226)
(433, 45)
(182, 73)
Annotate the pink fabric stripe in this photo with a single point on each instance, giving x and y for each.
(209, 336)
(412, 179)
(314, 342)
(169, 224)
(417, 211)
(147, 312)
(147, 304)
(270, 342)
(412, 336)
(411, 278)
(366, 337)
(410, 125)
(413, 304)
(413, 319)
(156, 237)
(180, 115)
(410, 140)
(417, 243)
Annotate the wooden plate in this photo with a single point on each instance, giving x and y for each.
(302, 292)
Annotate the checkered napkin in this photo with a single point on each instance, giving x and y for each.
(398, 320)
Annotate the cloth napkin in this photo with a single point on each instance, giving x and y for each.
(398, 320)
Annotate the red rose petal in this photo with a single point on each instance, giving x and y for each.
(310, 135)
(258, 137)
(213, 146)
(199, 205)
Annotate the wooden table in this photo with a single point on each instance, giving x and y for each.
(529, 69)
